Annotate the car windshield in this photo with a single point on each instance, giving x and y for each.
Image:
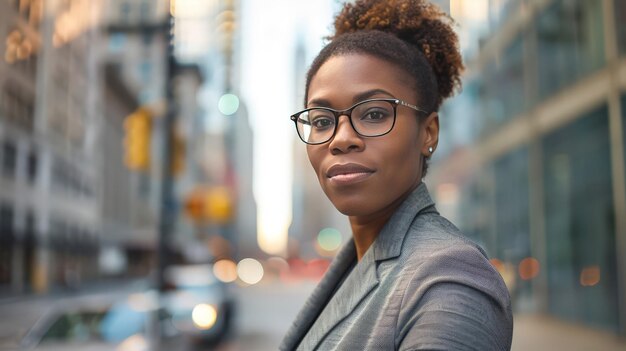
(111, 325)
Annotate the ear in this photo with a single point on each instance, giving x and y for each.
(431, 134)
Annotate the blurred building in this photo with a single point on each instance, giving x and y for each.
(227, 134)
(49, 196)
(245, 226)
(71, 209)
(531, 160)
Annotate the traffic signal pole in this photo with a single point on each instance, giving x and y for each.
(166, 217)
(167, 202)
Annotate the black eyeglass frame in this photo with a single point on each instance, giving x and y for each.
(348, 112)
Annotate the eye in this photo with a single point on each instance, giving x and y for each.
(375, 115)
(321, 119)
(322, 122)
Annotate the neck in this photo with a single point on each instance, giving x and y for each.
(365, 232)
(365, 229)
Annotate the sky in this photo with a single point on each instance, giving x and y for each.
(270, 33)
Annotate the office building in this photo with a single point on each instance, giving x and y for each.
(531, 163)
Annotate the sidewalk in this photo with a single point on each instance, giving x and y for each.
(539, 332)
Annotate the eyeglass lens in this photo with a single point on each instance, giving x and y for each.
(370, 118)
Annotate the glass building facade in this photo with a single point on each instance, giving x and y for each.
(541, 197)
(579, 221)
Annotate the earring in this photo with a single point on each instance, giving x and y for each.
(430, 149)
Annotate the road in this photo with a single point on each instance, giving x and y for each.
(264, 313)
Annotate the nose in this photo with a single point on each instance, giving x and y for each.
(346, 138)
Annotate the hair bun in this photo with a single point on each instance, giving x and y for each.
(417, 22)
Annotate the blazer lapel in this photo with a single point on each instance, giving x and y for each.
(361, 281)
(389, 242)
(319, 298)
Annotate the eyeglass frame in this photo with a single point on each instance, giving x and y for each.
(348, 113)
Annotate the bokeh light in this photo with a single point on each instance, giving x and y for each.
(204, 316)
(250, 271)
(590, 276)
(225, 270)
(228, 104)
(133, 343)
(528, 268)
(329, 239)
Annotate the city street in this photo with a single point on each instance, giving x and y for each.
(263, 314)
(265, 311)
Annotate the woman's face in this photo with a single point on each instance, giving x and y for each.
(363, 176)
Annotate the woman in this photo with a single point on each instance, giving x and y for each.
(408, 280)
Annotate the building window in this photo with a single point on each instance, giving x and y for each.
(579, 222)
(570, 43)
(6, 219)
(146, 71)
(512, 217)
(117, 41)
(146, 11)
(503, 92)
(31, 169)
(9, 159)
(620, 28)
(147, 39)
(18, 107)
(6, 244)
(476, 213)
(125, 11)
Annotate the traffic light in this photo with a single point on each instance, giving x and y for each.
(209, 204)
(138, 127)
(179, 147)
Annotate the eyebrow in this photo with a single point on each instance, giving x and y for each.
(357, 98)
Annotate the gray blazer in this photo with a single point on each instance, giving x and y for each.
(421, 286)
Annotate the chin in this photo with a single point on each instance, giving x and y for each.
(352, 207)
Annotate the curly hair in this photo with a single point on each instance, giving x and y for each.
(415, 35)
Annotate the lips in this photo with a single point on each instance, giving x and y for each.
(348, 173)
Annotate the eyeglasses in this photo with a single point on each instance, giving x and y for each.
(369, 118)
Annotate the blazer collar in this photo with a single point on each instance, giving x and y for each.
(388, 244)
(359, 283)
(320, 297)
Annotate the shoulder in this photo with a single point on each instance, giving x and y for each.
(436, 251)
(448, 281)
(436, 232)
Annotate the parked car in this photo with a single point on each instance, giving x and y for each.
(199, 304)
(100, 324)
